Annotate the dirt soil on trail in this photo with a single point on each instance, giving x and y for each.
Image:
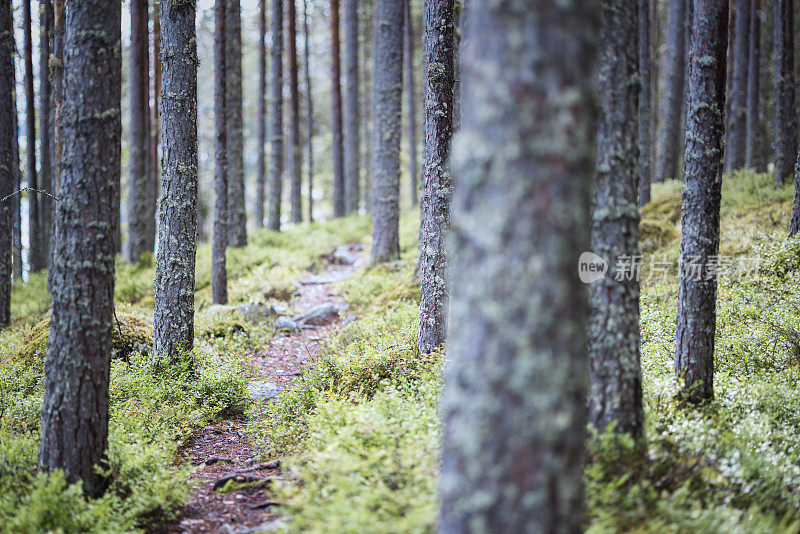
(224, 449)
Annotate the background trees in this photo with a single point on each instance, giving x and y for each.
(352, 133)
(668, 140)
(337, 146)
(234, 148)
(74, 426)
(219, 273)
(8, 170)
(276, 121)
(295, 155)
(785, 120)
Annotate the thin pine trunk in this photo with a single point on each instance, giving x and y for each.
(36, 260)
(219, 272)
(276, 121)
(8, 172)
(17, 180)
(702, 183)
(439, 59)
(753, 158)
(237, 216)
(668, 140)
(735, 150)
(366, 100)
(352, 135)
(387, 93)
(785, 121)
(645, 111)
(173, 317)
(74, 429)
(615, 377)
(261, 133)
(45, 131)
(155, 123)
(514, 402)
(336, 115)
(294, 153)
(57, 74)
(409, 39)
(141, 211)
(309, 115)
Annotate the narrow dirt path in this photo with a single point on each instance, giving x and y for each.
(224, 449)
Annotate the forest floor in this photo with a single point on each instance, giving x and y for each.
(232, 483)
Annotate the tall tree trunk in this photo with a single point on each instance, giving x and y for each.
(309, 115)
(237, 216)
(75, 411)
(614, 370)
(17, 176)
(141, 211)
(56, 67)
(752, 145)
(785, 121)
(439, 22)
(261, 129)
(177, 218)
(352, 135)
(45, 132)
(8, 171)
(36, 260)
(387, 92)
(276, 121)
(645, 111)
(408, 64)
(702, 182)
(219, 272)
(295, 154)
(155, 123)
(737, 125)
(668, 141)
(366, 99)
(513, 406)
(336, 115)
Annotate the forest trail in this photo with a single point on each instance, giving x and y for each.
(225, 449)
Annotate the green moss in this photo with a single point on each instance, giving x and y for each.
(220, 327)
(130, 333)
(664, 210)
(654, 235)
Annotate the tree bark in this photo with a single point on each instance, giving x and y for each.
(514, 402)
(408, 65)
(17, 174)
(785, 121)
(439, 21)
(237, 216)
(276, 120)
(366, 100)
(219, 272)
(155, 123)
(336, 116)
(45, 131)
(173, 317)
(36, 260)
(702, 183)
(261, 125)
(668, 141)
(753, 159)
(309, 115)
(75, 410)
(294, 154)
(141, 211)
(615, 376)
(735, 150)
(352, 135)
(8, 172)
(56, 68)
(387, 92)
(645, 111)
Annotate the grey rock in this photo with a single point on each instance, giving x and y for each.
(342, 255)
(262, 391)
(279, 308)
(286, 323)
(255, 313)
(318, 315)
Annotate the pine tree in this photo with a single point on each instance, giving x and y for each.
(737, 121)
(408, 67)
(261, 124)
(614, 370)
(387, 92)
(8, 172)
(294, 154)
(45, 130)
(352, 119)
(668, 140)
(514, 400)
(337, 145)
(74, 429)
(702, 183)
(155, 122)
(141, 210)
(753, 157)
(219, 272)
(36, 258)
(173, 317)
(645, 110)
(309, 116)
(785, 121)
(237, 217)
(276, 121)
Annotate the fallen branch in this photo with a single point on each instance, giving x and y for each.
(240, 478)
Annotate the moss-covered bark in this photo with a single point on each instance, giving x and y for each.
(387, 92)
(439, 54)
(616, 379)
(702, 185)
(75, 410)
(514, 407)
(173, 317)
